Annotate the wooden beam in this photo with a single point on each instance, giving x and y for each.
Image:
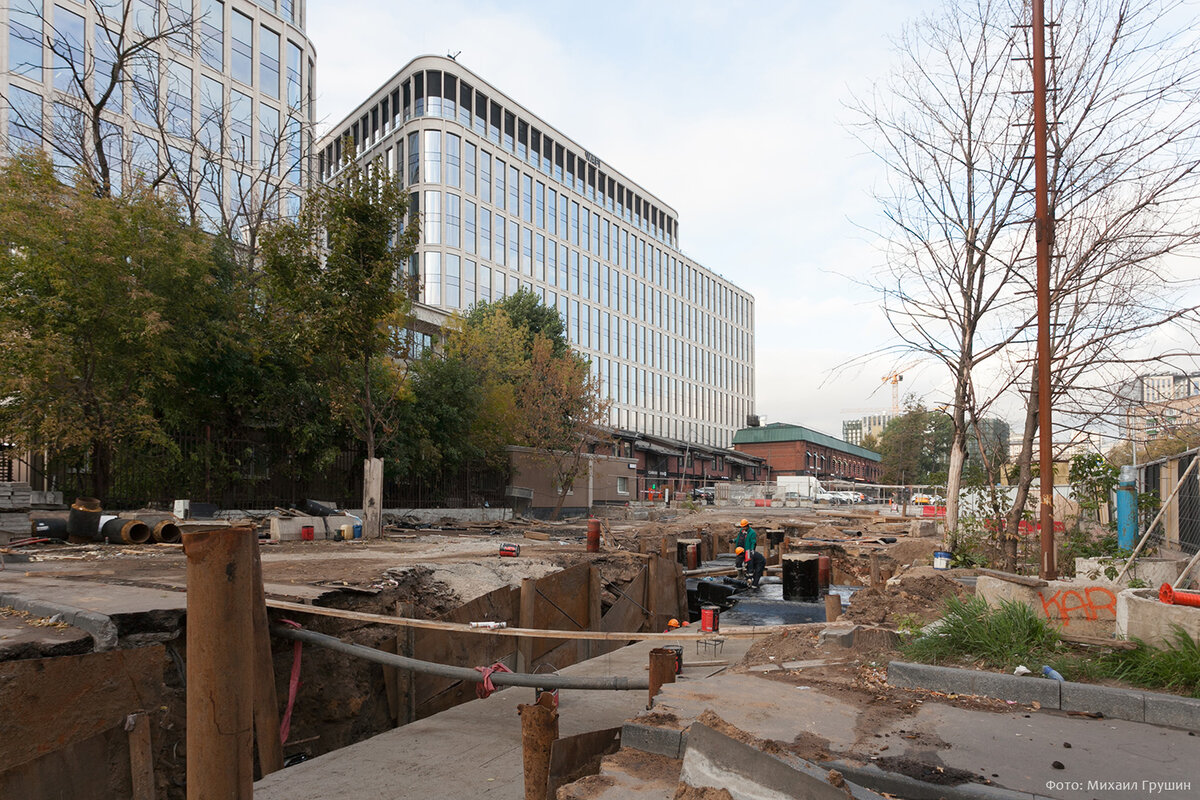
(220, 666)
(141, 756)
(1023, 580)
(738, 632)
(528, 609)
(266, 703)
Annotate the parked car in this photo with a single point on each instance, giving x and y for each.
(921, 499)
(705, 494)
(826, 497)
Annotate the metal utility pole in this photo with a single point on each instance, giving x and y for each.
(1045, 236)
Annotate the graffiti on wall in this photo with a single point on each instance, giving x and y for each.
(1067, 603)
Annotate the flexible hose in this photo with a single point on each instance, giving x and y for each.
(541, 681)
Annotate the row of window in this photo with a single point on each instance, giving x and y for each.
(69, 51)
(456, 282)
(450, 221)
(442, 158)
(441, 94)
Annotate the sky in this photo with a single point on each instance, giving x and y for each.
(735, 114)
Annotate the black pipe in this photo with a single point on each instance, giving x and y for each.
(542, 681)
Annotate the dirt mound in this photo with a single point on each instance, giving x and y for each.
(914, 551)
(919, 596)
(783, 646)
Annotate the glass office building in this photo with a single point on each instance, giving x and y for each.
(507, 202)
(214, 97)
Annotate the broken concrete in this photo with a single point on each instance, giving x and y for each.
(1140, 615)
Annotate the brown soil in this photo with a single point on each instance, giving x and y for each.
(916, 596)
(685, 792)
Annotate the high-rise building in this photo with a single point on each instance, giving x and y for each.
(213, 98)
(855, 431)
(507, 201)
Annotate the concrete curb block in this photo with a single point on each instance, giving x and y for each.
(1135, 705)
(899, 785)
(715, 760)
(101, 627)
(653, 739)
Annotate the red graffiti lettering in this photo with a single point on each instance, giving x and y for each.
(1062, 604)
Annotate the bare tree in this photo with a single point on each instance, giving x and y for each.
(1124, 184)
(948, 129)
(1124, 170)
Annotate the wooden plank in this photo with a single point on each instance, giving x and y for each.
(525, 646)
(735, 632)
(68, 699)
(391, 685)
(141, 756)
(539, 537)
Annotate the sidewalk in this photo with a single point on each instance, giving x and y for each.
(473, 750)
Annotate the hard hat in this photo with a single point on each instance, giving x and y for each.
(672, 623)
(686, 623)
(744, 523)
(740, 550)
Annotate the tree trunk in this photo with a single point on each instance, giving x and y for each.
(101, 469)
(958, 453)
(1012, 523)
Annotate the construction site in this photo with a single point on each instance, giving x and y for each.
(276, 655)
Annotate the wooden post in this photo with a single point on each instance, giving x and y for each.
(220, 667)
(406, 679)
(874, 569)
(528, 606)
(662, 670)
(653, 576)
(595, 648)
(539, 730)
(141, 756)
(266, 703)
(373, 498)
(833, 607)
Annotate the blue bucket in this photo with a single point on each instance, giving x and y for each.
(358, 531)
(941, 559)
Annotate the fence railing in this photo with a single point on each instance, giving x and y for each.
(251, 473)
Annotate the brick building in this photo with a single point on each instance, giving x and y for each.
(796, 450)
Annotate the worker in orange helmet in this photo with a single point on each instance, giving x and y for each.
(746, 536)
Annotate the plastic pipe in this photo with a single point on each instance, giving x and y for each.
(619, 683)
(1127, 508)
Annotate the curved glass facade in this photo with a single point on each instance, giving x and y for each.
(212, 97)
(508, 202)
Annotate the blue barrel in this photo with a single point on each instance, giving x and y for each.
(358, 530)
(1127, 519)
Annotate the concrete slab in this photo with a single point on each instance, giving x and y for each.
(949, 680)
(473, 750)
(1018, 751)
(717, 761)
(19, 639)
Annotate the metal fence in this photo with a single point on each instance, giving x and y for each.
(253, 473)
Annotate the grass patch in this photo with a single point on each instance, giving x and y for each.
(1000, 638)
(1175, 667)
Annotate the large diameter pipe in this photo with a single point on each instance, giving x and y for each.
(220, 652)
(662, 670)
(619, 683)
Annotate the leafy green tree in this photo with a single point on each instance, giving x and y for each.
(528, 314)
(96, 314)
(337, 283)
(1093, 477)
(915, 446)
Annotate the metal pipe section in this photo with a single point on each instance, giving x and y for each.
(619, 683)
